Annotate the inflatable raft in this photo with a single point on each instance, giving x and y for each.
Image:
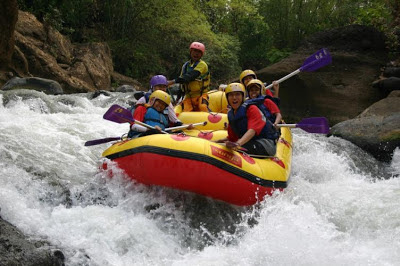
(204, 167)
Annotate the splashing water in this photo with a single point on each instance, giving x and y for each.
(341, 206)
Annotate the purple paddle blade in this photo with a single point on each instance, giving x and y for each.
(317, 60)
(314, 125)
(100, 141)
(118, 114)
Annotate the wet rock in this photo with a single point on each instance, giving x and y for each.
(16, 249)
(125, 88)
(387, 85)
(40, 84)
(339, 91)
(392, 72)
(98, 93)
(117, 78)
(376, 130)
(139, 95)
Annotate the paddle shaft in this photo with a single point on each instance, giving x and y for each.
(287, 125)
(101, 141)
(317, 60)
(147, 126)
(185, 126)
(284, 78)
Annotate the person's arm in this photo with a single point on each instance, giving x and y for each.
(278, 119)
(276, 89)
(231, 136)
(188, 77)
(142, 100)
(172, 116)
(200, 69)
(139, 114)
(254, 125)
(250, 133)
(274, 109)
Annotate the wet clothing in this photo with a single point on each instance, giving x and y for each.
(195, 80)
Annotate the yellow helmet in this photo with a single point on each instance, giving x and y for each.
(258, 83)
(245, 73)
(235, 87)
(162, 96)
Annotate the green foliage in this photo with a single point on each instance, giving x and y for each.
(275, 55)
(378, 15)
(150, 37)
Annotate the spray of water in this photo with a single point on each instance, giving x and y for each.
(341, 206)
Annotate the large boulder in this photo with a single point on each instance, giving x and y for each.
(339, 91)
(45, 85)
(16, 249)
(377, 129)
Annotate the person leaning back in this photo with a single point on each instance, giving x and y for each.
(248, 126)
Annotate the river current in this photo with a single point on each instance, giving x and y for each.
(341, 207)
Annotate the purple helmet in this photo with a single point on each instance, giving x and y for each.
(158, 80)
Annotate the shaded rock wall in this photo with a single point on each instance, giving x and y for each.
(8, 19)
(338, 91)
(43, 52)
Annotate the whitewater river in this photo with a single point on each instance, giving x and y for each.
(341, 207)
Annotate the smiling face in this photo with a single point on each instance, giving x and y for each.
(235, 99)
(254, 91)
(195, 54)
(159, 105)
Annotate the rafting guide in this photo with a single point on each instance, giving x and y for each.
(195, 80)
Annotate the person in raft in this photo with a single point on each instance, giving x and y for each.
(247, 75)
(195, 80)
(152, 114)
(254, 89)
(248, 124)
(159, 82)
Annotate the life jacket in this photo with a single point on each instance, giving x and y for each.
(238, 121)
(154, 118)
(259, 101)
(198, 86)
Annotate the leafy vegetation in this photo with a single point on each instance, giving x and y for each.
(148, 37)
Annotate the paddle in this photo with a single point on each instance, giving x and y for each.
(100, 141)
(105, 140)
(120, 115)
(317, 60)
(311, 125)
(185, 126)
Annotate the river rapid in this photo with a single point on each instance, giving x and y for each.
(341, 206)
